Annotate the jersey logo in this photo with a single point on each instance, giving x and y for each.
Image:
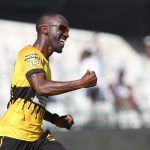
(31, 56)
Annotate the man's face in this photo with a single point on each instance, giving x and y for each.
(58, 33)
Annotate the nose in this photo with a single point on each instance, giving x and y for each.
(66, 34)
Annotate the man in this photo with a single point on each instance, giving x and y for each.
(20, 127)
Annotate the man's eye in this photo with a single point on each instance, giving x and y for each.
(63, 28)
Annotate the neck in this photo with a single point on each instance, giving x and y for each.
(42, 45)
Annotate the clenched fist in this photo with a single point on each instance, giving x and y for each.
(89, 79)
(65, 122)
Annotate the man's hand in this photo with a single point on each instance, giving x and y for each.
(64, 122)
(89, 79)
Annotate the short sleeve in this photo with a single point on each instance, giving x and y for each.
(32, 63)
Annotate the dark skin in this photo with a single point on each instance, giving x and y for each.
(51, 39)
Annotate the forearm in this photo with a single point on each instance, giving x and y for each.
(65, 121)
(48, 116)
(55, 88)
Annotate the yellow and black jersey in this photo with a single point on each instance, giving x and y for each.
(24, 115)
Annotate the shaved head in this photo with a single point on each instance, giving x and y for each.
(46, 19)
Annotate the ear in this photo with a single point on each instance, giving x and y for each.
(45, 30)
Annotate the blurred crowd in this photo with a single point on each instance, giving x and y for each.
(119, 104)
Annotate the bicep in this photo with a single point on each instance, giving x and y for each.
(36, 80)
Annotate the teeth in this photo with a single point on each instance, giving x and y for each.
(61, 40)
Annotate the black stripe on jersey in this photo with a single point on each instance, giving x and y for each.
(25, 93)
(29, 73)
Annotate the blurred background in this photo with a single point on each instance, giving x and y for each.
(110, 37)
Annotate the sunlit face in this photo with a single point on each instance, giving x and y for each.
(58, 33)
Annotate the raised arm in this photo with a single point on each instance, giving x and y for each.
(44, 87)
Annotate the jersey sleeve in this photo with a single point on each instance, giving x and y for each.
(32, 63)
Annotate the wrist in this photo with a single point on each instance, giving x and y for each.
(80, 83)
(54, 118)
